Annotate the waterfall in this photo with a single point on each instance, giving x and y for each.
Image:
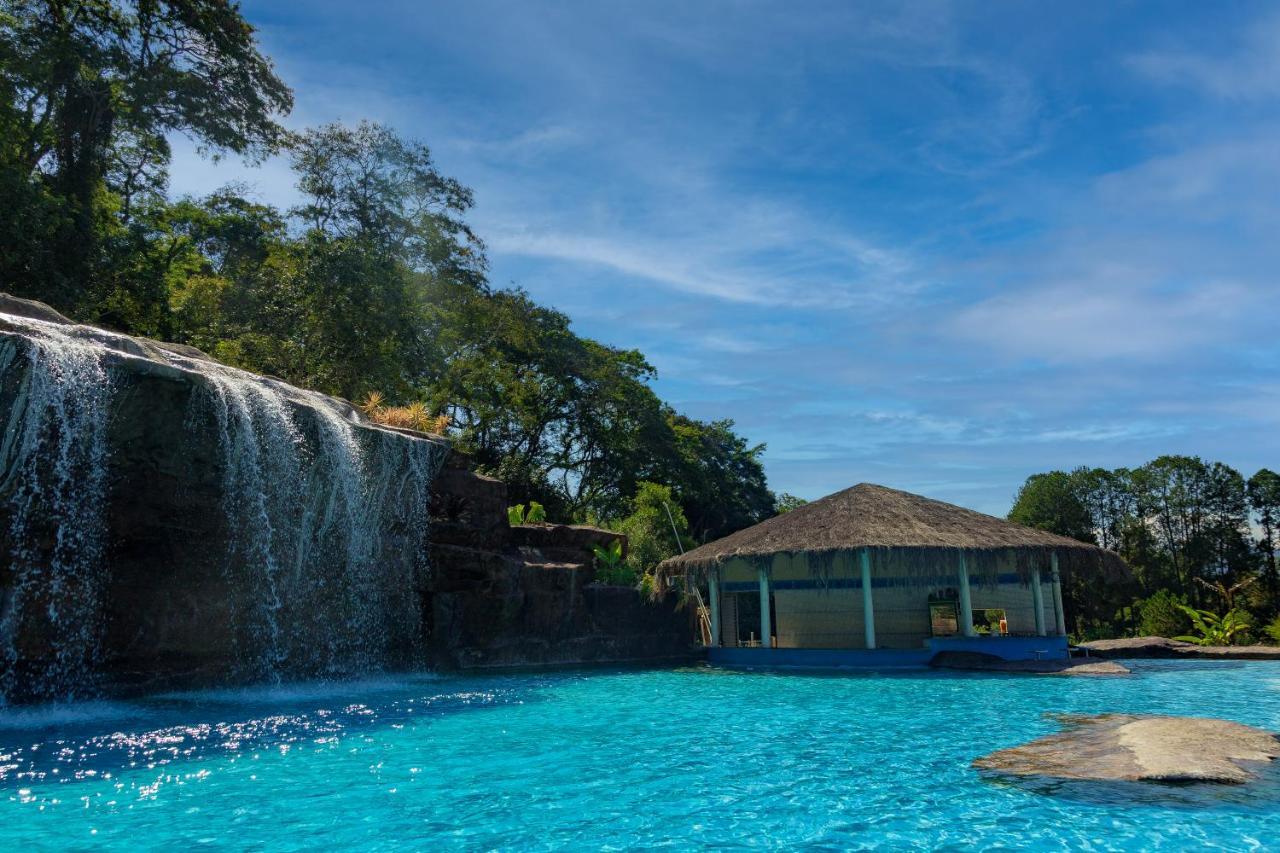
(53, 466)
(325, 515)
(314, 508)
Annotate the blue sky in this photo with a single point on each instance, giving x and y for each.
(938, 246)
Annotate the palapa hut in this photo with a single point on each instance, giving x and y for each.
(872, 576)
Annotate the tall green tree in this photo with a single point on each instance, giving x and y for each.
(1264, 500)
(1056, 502)
(1053, 502)
(90, 91)
(721, 481)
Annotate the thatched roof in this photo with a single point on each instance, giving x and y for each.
(898, 527)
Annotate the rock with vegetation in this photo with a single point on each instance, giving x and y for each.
(1161, 647)
(532, 594)
(1135, 748)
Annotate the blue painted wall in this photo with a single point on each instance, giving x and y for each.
(1007, 648)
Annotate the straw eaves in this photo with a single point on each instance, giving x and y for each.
(891, 524)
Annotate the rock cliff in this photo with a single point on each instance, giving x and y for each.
(168, 521)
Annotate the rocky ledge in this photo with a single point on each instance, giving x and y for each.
(1160, 647)
(1129, 748)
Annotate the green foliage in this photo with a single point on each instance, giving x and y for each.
(1052, 502)
(1272, 630)
(1214, 630)
(518, 514)
(611, 556)
(785, 502)
(1184, 525)
(92, 91)
(610, 566)
(650, 539)
(1263, 491)
(1162, 614)
(720, 480)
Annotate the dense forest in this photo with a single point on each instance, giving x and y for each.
(1197, 534)
(374, 285)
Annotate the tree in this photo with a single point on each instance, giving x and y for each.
(785, 502)
(650, 537)
(1264, 500)
(1053, 502)
(367, 185)
(721, 482)
(1161, 615)
(91, 90)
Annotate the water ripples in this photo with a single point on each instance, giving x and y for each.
(618, 760)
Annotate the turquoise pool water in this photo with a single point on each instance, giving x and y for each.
(613, 760)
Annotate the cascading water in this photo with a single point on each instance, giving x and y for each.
(53, 467)
(310, 520)
(324, 516)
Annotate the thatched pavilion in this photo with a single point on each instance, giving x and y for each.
(875, 576)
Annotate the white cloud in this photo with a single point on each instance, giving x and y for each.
(1108, 316)
(1250, 72)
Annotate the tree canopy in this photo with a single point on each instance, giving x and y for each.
(1192, 530)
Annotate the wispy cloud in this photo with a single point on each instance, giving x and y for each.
(1248, 71)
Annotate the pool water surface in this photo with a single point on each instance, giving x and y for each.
(616, 759)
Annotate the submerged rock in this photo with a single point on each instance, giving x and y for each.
(979, 662)
(1137, 748)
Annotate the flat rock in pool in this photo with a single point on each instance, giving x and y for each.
(1125, 747)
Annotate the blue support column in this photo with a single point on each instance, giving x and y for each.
(1059, 617)
(1037, 601)
(966, 601)
(713, 594)
(868, 607)
(766, 621)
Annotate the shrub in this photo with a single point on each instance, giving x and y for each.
(1272, 630)
(1162, 615)
(1214, 630)
(650, 538)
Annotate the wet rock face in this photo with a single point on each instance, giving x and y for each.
(1131, 748)
(166, 520)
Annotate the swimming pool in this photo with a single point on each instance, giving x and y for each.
(613, 759)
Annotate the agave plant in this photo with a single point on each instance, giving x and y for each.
(1212, 629)
(413, 416)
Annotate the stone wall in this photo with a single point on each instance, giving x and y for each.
(524, 596)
